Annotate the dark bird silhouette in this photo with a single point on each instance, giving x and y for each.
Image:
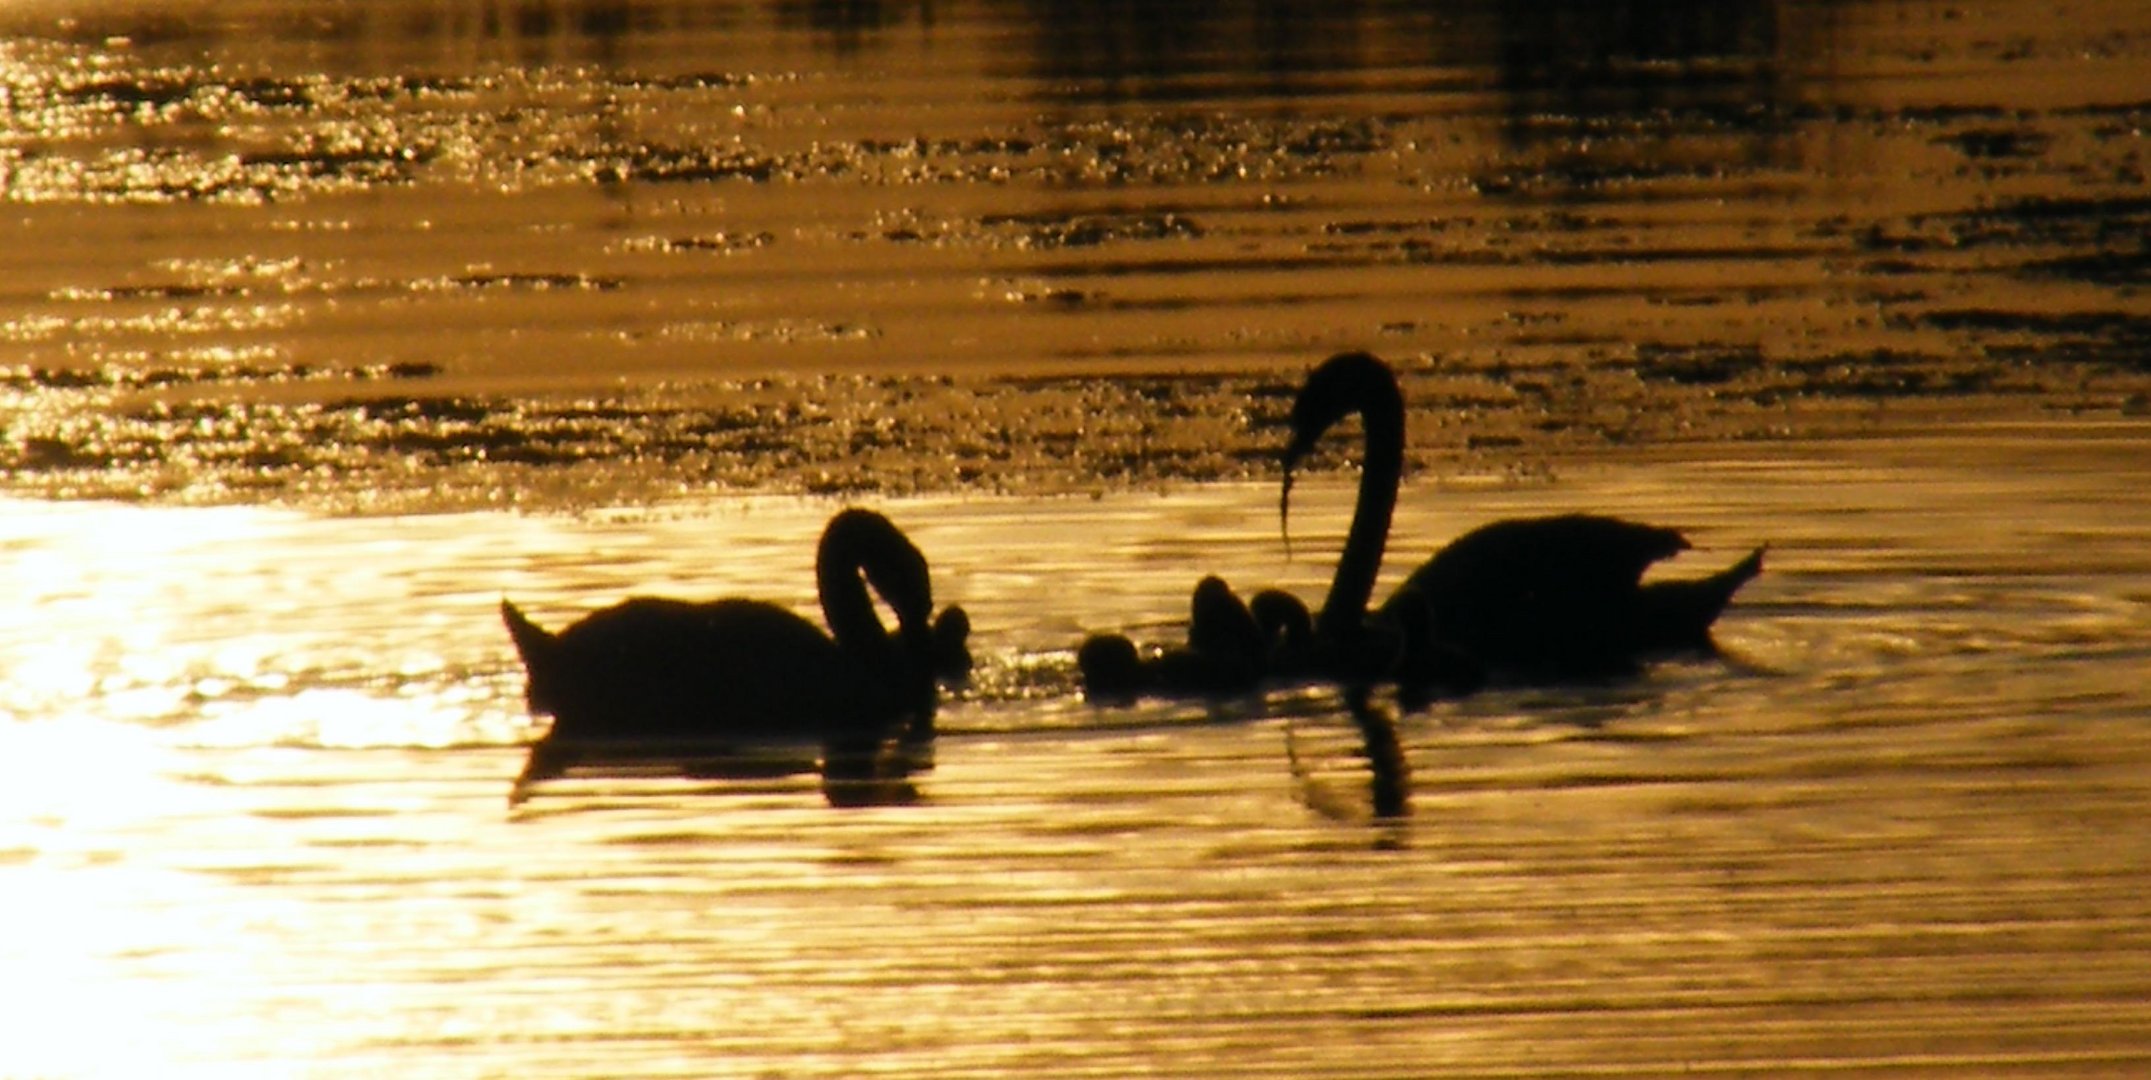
(1348, 646)
(1233, 648)
(651, 677)
(1223, 656)
(951, 646)
(1219, 623)
(1286, 632)
(1534, 598)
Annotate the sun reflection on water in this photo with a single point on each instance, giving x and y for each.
(343, 719)
(248, 627)
(92, 617)
(258, 815)
(93, 916)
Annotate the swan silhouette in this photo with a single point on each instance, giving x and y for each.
(651, 678)
(1221, 624)
(1557, 597)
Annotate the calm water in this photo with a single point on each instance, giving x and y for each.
(324, 327)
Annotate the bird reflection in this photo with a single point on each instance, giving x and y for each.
(1388, 771)
(1388, 774)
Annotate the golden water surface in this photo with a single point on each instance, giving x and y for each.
(325, 327)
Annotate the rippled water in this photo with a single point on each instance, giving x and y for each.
(257, 805)
(325, 327)
(414, 253)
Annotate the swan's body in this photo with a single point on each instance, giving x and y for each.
(657, 668)
(1219, 623)
(1563, 596)
(1547, 597)
(671, 674)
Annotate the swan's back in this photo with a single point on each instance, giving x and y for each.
(1550, 592)
(652, 668)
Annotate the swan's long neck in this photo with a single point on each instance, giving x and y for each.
(860, 549)
(849, 609)
(850, 560)
(1344, 610)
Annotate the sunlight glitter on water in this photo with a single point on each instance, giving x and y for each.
(291, 806)
(1904, 792)
(562, 302)
(94, 613)
(393, 240)
(92, 906)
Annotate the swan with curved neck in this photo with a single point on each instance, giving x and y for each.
(668, 674)
(1546, 597)
(1348, 384)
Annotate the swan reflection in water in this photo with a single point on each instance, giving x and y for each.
(743, 687)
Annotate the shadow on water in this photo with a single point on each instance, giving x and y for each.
(1626, 57)
(1602, 93)
(846, 26)
(1123, 51)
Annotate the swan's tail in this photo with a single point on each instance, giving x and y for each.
(1677, 615)
(1720, 587)
(532, 642)
(539, 649)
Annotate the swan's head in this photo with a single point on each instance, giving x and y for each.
(1340, 386)
(1220, 626)
(1213, 593)
(1282, 617)
(952, 648)
(1215, 609)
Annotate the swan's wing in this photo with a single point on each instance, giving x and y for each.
(1575, 555)
(1548, 590)
(1677, 615)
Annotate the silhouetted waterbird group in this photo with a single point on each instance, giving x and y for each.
(1520, 601)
